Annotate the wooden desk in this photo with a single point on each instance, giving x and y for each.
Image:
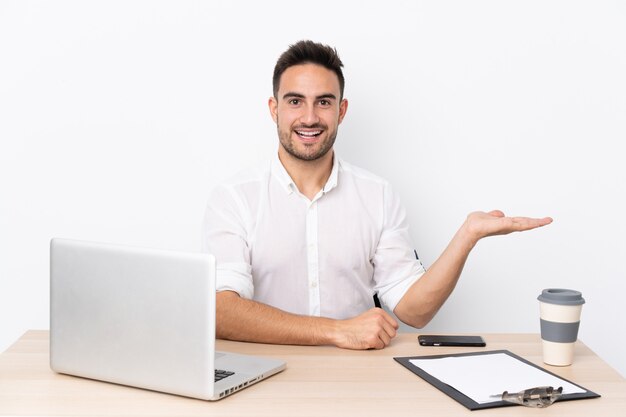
(318, 381)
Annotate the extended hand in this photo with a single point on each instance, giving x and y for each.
(480, 224)
(373, 329)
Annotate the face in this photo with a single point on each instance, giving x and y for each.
(308, 111)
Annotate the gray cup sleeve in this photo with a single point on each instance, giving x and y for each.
(559, 332)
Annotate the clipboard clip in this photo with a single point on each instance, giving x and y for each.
(538, 397)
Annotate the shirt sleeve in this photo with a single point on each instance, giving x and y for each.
(225, 236)
(396, 267)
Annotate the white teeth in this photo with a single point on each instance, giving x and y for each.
(317, 132)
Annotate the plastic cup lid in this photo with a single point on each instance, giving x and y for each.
(561, 296)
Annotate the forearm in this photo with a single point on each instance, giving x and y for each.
(250, 321)
(246, 320)
(426, 296)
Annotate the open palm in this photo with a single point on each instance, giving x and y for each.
(482, 224)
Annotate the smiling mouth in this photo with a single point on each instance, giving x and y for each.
(308, 134)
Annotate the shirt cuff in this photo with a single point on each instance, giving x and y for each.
(235, 277)
(392, 293)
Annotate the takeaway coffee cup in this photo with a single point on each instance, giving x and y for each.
(560, 318)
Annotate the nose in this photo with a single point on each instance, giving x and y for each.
(309, 115)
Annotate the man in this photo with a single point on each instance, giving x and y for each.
(304, 242)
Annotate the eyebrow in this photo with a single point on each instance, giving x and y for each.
(298, 95)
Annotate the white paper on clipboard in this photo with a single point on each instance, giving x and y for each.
(479, 377)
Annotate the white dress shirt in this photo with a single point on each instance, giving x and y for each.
(325, 257)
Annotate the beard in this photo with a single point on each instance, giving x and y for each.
(312, 151)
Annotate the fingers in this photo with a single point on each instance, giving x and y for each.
(373, 329)
(481, 224)
(390, 325)
(522, 221)
(384, 339)
(526, 223)
(388, 328)
(496, 213)
(385, 327)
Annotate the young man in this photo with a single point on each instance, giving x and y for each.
(304, 242)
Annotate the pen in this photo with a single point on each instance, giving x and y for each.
(376, 301)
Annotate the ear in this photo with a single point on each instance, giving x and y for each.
(343, 108)
(272, 103)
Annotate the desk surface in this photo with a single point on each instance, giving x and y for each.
(318, 381)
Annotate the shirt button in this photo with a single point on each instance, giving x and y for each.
(313, 284)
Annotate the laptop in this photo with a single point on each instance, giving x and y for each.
(143, 318)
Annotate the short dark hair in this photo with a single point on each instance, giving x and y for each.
(308, 52)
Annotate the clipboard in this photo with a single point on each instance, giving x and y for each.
(469, 402)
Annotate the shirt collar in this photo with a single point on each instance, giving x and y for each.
(281, 174)
(334, 175)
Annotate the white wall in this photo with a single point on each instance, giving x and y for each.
(116, 118)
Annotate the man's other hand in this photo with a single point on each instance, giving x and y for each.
(480, 224)
(373, 329)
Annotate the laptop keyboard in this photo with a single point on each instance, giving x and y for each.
(220, 374)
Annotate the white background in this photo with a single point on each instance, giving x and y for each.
(117, 118)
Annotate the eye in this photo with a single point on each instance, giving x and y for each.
(324, 103)
(294, 101)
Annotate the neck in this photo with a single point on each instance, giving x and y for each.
(309, 176)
